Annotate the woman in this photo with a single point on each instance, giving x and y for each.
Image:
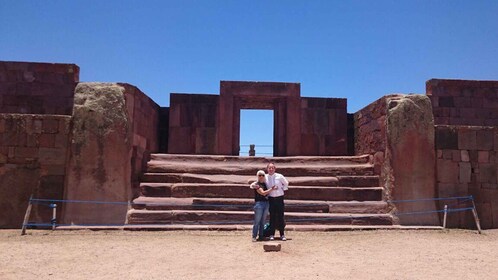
(261, 205)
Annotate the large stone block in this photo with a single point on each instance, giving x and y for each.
(410, 140)
(99, 166)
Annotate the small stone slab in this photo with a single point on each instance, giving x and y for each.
(272, 247)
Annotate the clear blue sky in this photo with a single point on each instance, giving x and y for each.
(360, 50)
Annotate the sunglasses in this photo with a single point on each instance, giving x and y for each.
(261, 175)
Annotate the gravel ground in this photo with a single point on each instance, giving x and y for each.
(377, 254)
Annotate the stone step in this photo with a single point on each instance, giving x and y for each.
(294, 170)
(245, 227)
(349, 181)
(196, 203)
(200, 217)
(258, 161)
(243, 191)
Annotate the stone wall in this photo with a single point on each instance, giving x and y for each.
(37, 88)
(467, 164)
(32, 161)
(462, 102)
(398, 131)
(323, 126)
(143, 114)
(193, 123)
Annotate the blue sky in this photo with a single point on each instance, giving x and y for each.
(359, 50)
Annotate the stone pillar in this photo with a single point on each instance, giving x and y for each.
(411, 157)
(99, 164)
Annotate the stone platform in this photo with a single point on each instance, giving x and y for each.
(213, 191)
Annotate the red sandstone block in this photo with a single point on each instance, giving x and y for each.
(447, 171)
(26, 152)
(489, 186)
(462, 102)
(61, 141)
(47, 140)
(484, 113)
(52, 169)
(456, 157)
(32, 140)
(52, 155)
(454, 112)
(467, 113)
(439, 153)
(467, 140)
(50, 126)
(465, 172)
(464, 155)
(483, 156)
(11, 152)
(477, 102)
(441, 120)
(484, 139)
(9, 138)
(487, 173)
(447, 154)
(2, 125)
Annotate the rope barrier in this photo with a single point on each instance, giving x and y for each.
(463, 198)
(53, 224)
(29, 224)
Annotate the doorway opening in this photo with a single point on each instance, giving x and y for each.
(256, 128)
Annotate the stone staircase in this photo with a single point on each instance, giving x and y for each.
(210, 190)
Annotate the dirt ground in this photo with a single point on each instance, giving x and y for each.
(453, 254)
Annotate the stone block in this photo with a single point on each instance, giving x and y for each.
(26, 152)
(439, 153)
(50, 126)
(456, 157)
(447, 154)
(487, 173)
(446, 138)
(53, 169)
(467, 140)
(61, 141)
(482, 156)
(272, 247)
(484, 139)
(446, 101)
(47, 140)
(467, 113)
(447, 171)
(464, 156)
(465, 171)
(2, 125)
(52, 155)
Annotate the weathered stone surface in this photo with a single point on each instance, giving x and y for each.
(410, 144)
(99, 166)
(272, 246)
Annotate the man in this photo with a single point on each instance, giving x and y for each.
(279, 184)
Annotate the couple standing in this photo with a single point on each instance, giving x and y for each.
(269, 195)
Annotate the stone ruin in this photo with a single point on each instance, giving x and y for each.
(65, 139)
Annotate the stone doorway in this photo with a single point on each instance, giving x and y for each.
(303, 126)
(282, 98)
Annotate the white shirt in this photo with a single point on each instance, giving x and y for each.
(278, 180)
